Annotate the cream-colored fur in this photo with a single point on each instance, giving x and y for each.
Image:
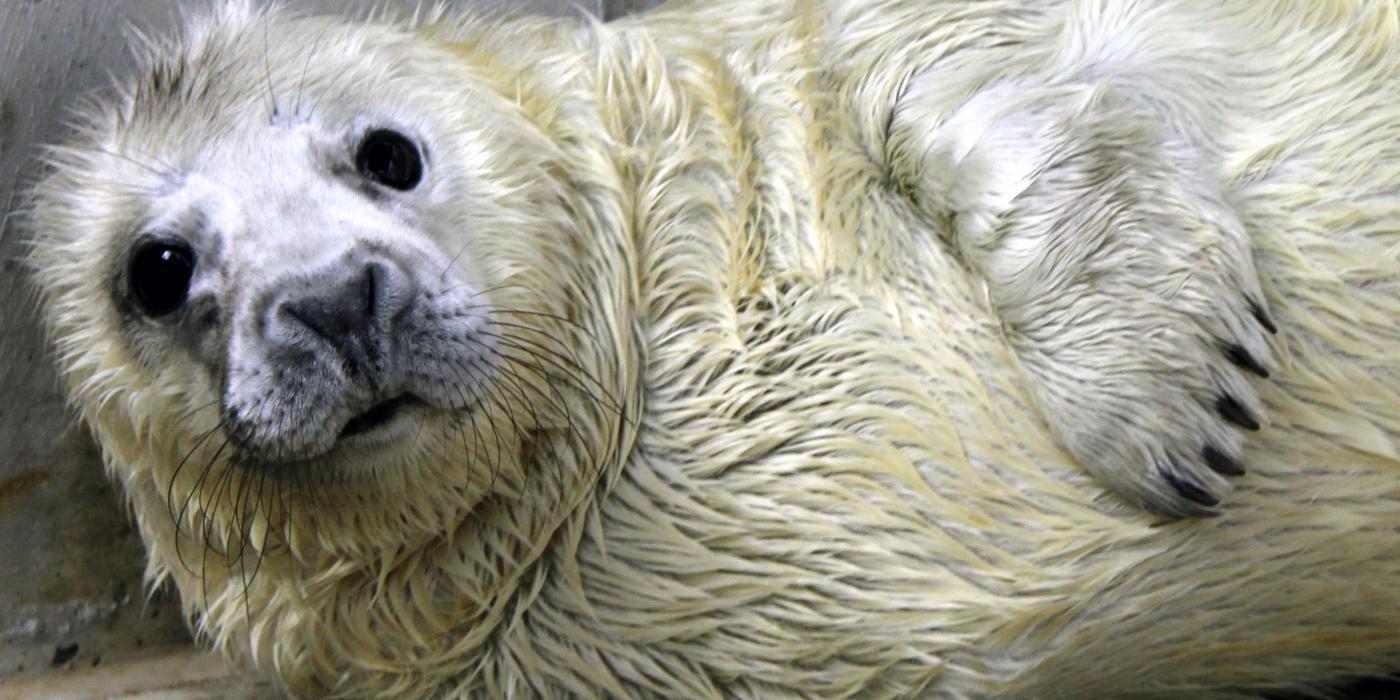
(794, 436)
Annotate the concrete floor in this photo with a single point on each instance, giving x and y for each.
(173, 673)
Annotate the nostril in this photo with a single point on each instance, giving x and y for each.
(352, 307)
(336, 309)
(329, 318)
(371, 285)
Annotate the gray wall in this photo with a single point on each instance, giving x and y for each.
(70, 565)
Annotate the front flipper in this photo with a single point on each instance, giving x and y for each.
(1124, 281)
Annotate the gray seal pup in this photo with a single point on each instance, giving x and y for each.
(755, 349)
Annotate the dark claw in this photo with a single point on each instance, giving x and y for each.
(1188, 490)
(1242, 358)
(1262, 317)
(1221, 463)
(1232, 411)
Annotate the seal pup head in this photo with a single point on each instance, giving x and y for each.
(318, 291)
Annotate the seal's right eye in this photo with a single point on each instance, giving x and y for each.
(159, 276)
(390, 159)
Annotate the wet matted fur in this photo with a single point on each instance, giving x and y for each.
(790, 371)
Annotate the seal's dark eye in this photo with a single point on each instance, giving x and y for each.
(390, 159)
(159, 276)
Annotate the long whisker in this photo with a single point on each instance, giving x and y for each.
(198, 487)
(78, 148)
(496, 436)
(267, 69)
(184, 507)
(445, 268)
(466, 444)
(306, 67)
(210, 522)
(560, 363)
(170, 487)
(261, 548)
(506, 372)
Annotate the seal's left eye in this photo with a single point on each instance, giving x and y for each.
(389, 158)
(159, 274)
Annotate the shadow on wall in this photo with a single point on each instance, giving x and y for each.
(70, 590)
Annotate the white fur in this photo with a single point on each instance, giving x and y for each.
(815, 462)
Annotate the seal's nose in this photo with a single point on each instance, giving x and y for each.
(351, 307)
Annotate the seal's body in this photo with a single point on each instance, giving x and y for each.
(757, 349)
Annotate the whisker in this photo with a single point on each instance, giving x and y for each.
(260, 548)
(267, 69)
(466, 444)
(445, 268)
(170, 488)
(517, 381)
(561, 402)
(210, 522)
(169, 169)
(495, 433)
(301, 83)
(559, 362)
(198, 486)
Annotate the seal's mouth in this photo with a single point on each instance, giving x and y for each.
(377, 415)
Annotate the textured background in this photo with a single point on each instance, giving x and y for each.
(70, 565)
